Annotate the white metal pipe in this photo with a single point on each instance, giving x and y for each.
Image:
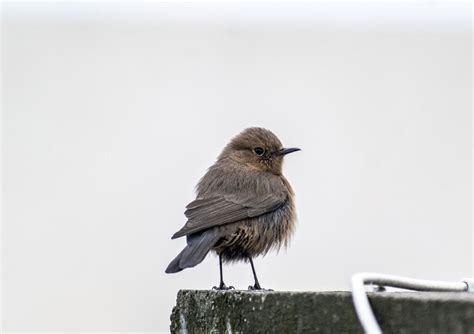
(361, 301)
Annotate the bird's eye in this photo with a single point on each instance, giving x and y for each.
(259, 151)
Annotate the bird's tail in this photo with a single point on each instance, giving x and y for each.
(199, 244)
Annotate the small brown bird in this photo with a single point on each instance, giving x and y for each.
(244, 205)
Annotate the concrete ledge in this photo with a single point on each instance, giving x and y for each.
(204, 311)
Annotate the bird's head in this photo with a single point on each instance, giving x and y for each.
(257, 148)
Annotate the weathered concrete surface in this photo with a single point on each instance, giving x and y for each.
(205, 311)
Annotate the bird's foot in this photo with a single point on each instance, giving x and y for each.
(222, 286)
(257, 287)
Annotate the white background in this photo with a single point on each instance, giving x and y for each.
(112, 112)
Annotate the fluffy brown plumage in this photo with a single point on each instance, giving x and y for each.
(244, 205)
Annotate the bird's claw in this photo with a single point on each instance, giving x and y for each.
(222, 286)
(257, 287)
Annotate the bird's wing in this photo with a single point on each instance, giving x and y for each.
(209, 212)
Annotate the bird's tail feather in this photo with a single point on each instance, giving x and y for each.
(195, 252)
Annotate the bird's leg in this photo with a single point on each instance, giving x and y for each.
(256, 286)
(222, 285)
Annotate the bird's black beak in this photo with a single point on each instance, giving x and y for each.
(285, 151)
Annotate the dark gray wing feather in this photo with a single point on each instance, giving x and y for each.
(209, 212)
